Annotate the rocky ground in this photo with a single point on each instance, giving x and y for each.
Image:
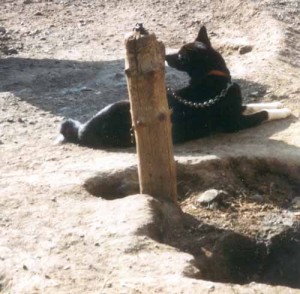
(61, 232)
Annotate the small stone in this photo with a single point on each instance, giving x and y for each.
(35, 32)
(245, 49)
(27, 1)
(212, 195)
(25, 267)
(10, 51)
(257, 198)
(213, 205)
(295, 203)
(86, 89)
(21, 120)
(254, 94)
(38, 13)
(2, 30)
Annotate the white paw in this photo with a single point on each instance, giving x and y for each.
(278, 113)
(59, 140)
(254, 107)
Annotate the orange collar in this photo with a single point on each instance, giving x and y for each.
(217, 73)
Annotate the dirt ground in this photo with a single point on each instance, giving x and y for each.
(60, 230)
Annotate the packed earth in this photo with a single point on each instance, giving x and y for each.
(71, 218)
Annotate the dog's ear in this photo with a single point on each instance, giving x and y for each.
(203, 37)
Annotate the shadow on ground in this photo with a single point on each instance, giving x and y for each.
(78, 89)
(64, 87)
(69, 88)
(226, 256)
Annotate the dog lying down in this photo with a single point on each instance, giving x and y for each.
(209, 103)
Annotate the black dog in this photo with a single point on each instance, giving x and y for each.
(210, 103)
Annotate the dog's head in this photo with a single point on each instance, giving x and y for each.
(198, 58)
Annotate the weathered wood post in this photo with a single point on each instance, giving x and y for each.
(145, 71)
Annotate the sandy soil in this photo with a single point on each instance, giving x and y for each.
(64, 58)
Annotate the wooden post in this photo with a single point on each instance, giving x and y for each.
(145, 71)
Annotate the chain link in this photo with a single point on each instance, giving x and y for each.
(205, 104)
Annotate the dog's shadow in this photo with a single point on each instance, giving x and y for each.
(68, 88)
(79, 89)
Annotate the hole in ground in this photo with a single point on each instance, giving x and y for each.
(260, 194)
(113, 184)
(252, 234)
(223, 255)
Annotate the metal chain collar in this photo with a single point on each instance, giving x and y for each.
(205, 104)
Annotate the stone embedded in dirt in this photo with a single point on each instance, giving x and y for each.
(214, 205)
(21, 120)
(245, 49)
(274, 223)
(25, 268)
(38, 13)
(27, 1)
(2, 30)
(210, 196)
(254, 94)
(85, 89)
(35, 32)
(10, 51)
(295, 204)
(257, 198)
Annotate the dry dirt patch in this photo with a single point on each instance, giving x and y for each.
(65, 58)
(252, 234)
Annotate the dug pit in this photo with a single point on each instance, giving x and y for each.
(250, 233)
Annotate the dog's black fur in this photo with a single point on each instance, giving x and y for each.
(110, 127)
(209, 75)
